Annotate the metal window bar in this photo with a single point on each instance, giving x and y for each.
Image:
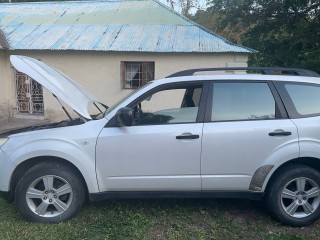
(29, 94)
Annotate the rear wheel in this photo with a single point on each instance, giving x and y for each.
(49, 192)
(294, 195)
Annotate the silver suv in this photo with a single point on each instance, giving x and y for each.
(253, 136)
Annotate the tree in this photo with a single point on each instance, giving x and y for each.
(285, 32)
(171, 3)
(186, 7)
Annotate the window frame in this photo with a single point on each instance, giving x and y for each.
(32, 95)
(202, 103)
(143, 64)
(287, 100)
(280, 110)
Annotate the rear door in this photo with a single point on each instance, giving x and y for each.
(303, 103)
(246, 127)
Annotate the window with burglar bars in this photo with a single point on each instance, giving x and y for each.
(136, 74)
(29, 94)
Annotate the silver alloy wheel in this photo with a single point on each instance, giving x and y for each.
(49, 196)
(300, 197)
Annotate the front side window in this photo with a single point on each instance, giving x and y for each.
(136, 74)
(306, 98)
(169, 106)
(242, 101)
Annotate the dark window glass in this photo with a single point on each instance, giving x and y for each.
(306, 98)
(242, 101)
(137, 74)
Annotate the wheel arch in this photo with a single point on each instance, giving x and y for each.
(25, 165)
(307, 161)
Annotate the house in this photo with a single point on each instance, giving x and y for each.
(110, 47)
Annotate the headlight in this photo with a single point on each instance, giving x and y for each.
(3, 141)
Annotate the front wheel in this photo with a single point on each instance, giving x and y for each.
(294, 195)
(49, 192)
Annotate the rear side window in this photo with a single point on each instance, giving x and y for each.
(242, 101)
(305, 98)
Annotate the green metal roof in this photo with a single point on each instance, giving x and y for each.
(113, 25)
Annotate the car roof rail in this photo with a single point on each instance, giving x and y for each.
(262, 70)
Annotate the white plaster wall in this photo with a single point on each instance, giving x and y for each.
(7, 86)
(100, 73)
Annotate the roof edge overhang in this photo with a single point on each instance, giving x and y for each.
(3, 41)
(131, 51)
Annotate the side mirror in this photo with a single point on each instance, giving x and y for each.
(124, 117)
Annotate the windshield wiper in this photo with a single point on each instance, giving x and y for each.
(105, 106)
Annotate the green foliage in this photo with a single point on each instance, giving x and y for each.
(285, 32)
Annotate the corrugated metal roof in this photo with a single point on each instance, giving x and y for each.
(112, 25)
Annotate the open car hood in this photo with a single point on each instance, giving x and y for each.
(56, 82)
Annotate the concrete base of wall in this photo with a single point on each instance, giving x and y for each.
(3, 120)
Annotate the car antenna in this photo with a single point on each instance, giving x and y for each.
(63, 108)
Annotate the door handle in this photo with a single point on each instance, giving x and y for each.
(187, 136)
(280, 133)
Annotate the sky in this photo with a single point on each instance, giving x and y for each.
(201, 3)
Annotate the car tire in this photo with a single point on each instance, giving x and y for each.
(293, 196)
(49, 192)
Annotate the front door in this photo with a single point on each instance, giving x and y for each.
(29, 95)
(161, 151)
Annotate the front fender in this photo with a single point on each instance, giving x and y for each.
(80, 152)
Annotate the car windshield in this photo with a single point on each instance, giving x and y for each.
(124, 98)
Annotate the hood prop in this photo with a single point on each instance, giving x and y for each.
(97, 107)
(63, 108)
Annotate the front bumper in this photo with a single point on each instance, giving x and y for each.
(6, 170)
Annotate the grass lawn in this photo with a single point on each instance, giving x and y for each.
(158, 219)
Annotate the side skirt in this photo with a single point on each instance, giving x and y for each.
(159, 194)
